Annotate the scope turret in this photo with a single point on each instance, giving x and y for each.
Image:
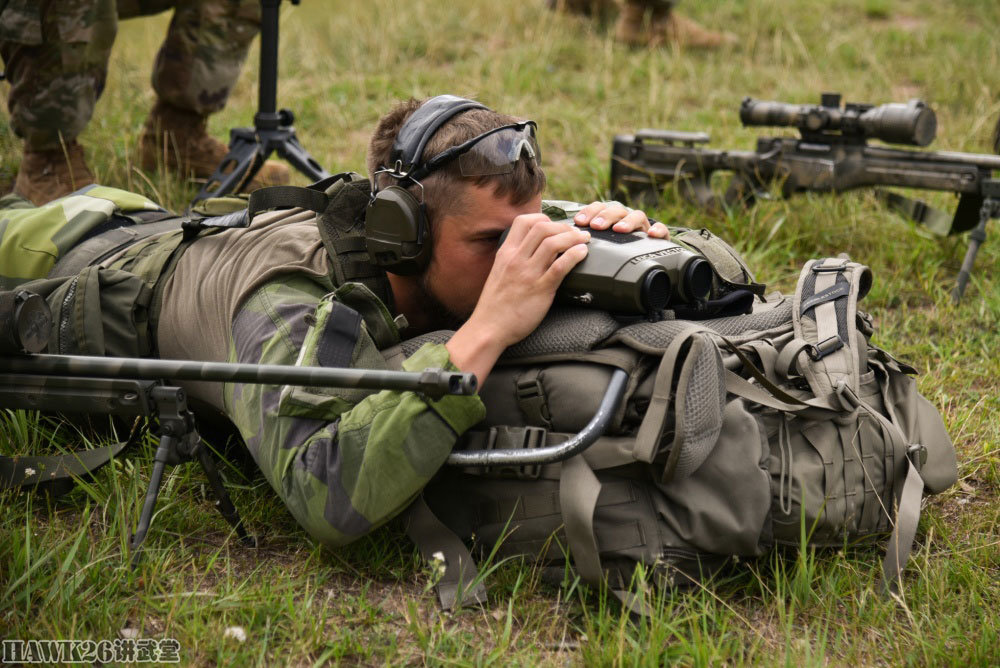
(912, 123)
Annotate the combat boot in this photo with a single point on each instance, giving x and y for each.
(51, 174)
(597, 8)
(177, 140)
(690, 33)
(643, 25)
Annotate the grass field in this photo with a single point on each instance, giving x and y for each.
(63, 565)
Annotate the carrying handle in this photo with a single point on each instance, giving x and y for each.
(554, 453)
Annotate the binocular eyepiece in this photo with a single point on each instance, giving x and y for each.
(634, 274)
(25, 322)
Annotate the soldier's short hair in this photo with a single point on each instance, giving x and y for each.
(526, 180)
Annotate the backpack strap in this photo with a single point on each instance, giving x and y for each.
(55, 473)
(460, 584)
(579, 491)
(97, 248)
(683, 458)
(824, 315)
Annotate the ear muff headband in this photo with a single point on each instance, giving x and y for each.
(408, 148)
(396, 233)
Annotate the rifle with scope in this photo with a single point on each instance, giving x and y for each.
(831, 154)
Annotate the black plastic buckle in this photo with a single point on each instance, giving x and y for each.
(532, 438)
(532, 391)
(823, 348)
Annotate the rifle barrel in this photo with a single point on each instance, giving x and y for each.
(980, 160)
(434, 382)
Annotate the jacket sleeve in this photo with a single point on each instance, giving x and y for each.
(344, 460)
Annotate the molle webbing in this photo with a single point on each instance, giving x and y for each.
(97, 248)
(342, 229)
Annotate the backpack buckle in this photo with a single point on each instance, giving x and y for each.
(917, 454)
(515, 438)
(820, 350)
(820, 268)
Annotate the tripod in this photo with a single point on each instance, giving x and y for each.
(272, 132)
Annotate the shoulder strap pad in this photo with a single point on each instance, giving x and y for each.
(824, 316)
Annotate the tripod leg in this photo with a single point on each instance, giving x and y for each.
(223, 502)
(976, 239)
(159, 464)
(245, 157)
(291, 150)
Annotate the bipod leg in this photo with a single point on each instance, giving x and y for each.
(166, 447)
(244, 160)
(180, 442)
(223, 502)
(289, 148)
(990, 209)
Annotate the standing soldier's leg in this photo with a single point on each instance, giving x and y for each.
(194, 72)
(653, 23)
(56, 54)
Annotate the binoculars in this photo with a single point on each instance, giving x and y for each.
(634, 274)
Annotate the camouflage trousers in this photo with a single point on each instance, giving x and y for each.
(56, 56)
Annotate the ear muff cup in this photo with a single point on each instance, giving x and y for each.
(396, 232)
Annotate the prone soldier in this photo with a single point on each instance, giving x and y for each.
(411, 250)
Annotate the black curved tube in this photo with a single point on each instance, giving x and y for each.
(553, 453)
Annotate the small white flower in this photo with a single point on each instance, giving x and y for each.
(28, 472)
(237, 633)
(438, 565)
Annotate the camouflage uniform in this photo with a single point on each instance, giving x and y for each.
(56, 54)
(344, 461)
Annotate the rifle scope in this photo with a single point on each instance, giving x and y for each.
(635, 274)
(912, 123)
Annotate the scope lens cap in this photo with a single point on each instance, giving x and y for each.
(33, 322)
(697, 279)
(924, 126)
(655, 290)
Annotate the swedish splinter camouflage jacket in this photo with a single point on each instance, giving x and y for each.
(344, 461)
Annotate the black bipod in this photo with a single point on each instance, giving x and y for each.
(989, 210)
(180, 443)
(273, 131)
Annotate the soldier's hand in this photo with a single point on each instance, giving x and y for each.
(611, 215)
(529, 266)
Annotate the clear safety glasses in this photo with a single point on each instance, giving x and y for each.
(491, 153)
